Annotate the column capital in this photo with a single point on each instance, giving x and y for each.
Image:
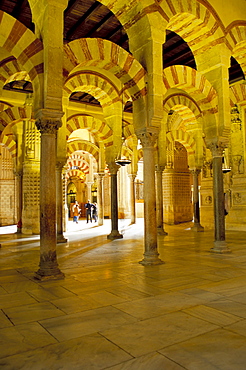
(132, 176)
(159, 168)
(216, 149)
(113, 168)
(195, 171)
(148, 137)
(48, 121)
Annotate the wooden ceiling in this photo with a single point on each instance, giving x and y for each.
(89, 18)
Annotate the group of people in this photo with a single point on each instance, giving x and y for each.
(91, 211)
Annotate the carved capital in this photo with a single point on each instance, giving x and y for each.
(132, 176)
(48, 121)
(217, 149)
(148, 138)
(159, 168)
(195, 171)
(113, 168)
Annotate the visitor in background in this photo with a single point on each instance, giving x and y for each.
(88, 207)
(94, 211)
(76, 212)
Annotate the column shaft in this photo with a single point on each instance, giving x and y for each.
(59, 204)
(196, 206)
(100, 198)
(151, 254)
(132, 198)
(113, 168)
(159, 202)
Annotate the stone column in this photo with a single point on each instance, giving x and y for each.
(48, 123)
(148, 139)
(219, 201)
(132, 177)
(59, 203)
(19, 194)
(196, 206)
(159, 201)
(100, 202)
(89, 185)
(113, 169)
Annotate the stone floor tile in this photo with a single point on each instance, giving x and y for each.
(4, 321)
(15, 300)
(219, 349)
(154, 306)
(91, 352)
(88, 322)
(34, 312)
(153, 334)
(22, 338)
(16, 287)
(238, 327)
(153, 361)
(212, 315)
(229, 306)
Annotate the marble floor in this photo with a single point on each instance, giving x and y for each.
(110, 312)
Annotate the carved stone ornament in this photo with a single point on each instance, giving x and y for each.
(217, 149)
(147, 138)
(208, 200)
(113, 168)
(48, 126)
(237, 198)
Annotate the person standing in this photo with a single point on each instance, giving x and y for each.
(88, 207)
(76, 212)
(94, 211)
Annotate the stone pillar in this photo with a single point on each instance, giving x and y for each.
(219, 201)
(18, 177)
(159, 201)
(48, 123)
(132, 177)
(148, 139)
(59, 203)
(100, 202)
(113, 169)
(196, 206)
(89, 185)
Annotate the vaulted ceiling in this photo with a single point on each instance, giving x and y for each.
(89, 18)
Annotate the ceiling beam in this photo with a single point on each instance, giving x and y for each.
(71, 5)
(100, 24)
(19, 6)
(82, 19)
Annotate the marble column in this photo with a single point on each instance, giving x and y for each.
(48, 123)
(159, 201)
(132, 198)
(113, 169)
(100, 202)
(59, 203)
(148, 140)
(89, 185)
(219, 201)
(196, 206)
(18, 178)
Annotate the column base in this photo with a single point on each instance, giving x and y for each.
(61, 239)
(114, 235)
(151, 259)
(220, 247)
(197, 228)
(161, 231)
(42, 275)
